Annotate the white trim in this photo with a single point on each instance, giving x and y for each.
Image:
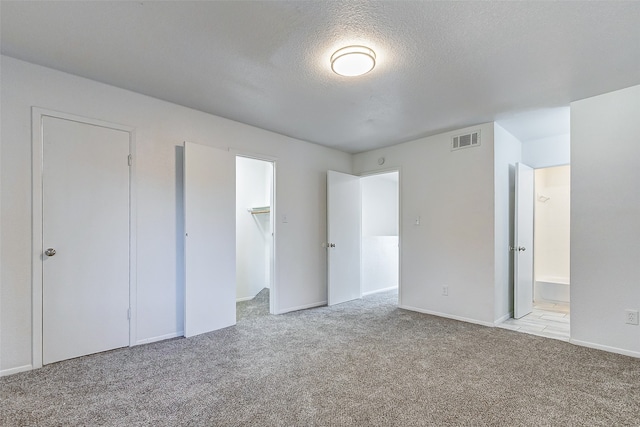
(160, 338)
(605, 348)
(448, 316)
(503, 318)
(302, 307)
(377, 291)
(37, 114)
(251, 155)
(385, 171)
(12, 371)
(273, 288)
(244, 299)
(133, 241)
(36, 237)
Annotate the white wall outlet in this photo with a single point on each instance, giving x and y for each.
(445, 291)
(631, 317)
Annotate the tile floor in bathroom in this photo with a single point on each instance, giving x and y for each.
(547, 319)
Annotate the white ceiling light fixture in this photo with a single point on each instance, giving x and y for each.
(353, 61)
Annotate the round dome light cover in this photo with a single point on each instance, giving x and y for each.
(353, 61)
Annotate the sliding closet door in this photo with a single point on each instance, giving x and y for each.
(210, 239)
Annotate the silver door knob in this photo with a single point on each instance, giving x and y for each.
(50, 252)
(332, 245)
(521, 248)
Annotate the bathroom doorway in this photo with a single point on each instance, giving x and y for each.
(552, 240)
(550, 316)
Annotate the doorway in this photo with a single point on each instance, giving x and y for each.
(254, 237)
(380, 233)
(552, 242)
(549, 291)
(362, 235)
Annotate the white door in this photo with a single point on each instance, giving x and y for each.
(85, 203)
(210, 242)
(523, 242)
(344, 237)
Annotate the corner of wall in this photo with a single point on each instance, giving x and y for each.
(507, 152)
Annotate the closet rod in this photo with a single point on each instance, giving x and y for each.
(260, 210)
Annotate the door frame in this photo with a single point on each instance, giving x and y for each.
(273, 289)
(535, 192)
(37, 115)
(400, 229)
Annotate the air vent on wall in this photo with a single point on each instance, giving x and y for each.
(465, 141)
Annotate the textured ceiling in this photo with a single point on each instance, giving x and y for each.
(441, 65)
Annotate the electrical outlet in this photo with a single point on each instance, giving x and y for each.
(631, 317)
(445, 291)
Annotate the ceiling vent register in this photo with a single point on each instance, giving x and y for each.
(467, 140)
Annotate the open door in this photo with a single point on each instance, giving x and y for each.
(344, 237)
(210, 239)
(523, 242)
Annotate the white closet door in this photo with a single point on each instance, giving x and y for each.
(85, 203)
(344, 237)
(210, 242)
(523, 242)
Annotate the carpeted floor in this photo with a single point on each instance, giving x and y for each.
(360, 363)
(258, 306)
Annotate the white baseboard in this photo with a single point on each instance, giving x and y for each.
(302, 307)
(244, 299)
(448, 316)
(160, 338)
(606, 348)
(364, 294)
(12, 371)
(503, 318)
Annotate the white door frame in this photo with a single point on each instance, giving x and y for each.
(399, 171)
(37, 115)
(273, 290)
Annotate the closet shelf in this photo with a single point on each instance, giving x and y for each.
(259, 210)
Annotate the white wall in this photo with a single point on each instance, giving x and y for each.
(453, 194)
(507, 152)
(551, 223)
(379, 232)
(605, 220)
(380, 204)
(161, 128)
(253, 232)
(545, 152)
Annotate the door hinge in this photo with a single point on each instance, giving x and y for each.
(129, 159)
(128, 313)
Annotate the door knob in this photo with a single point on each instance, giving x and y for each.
(332, 245)
(50, 252)
(519, 248)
